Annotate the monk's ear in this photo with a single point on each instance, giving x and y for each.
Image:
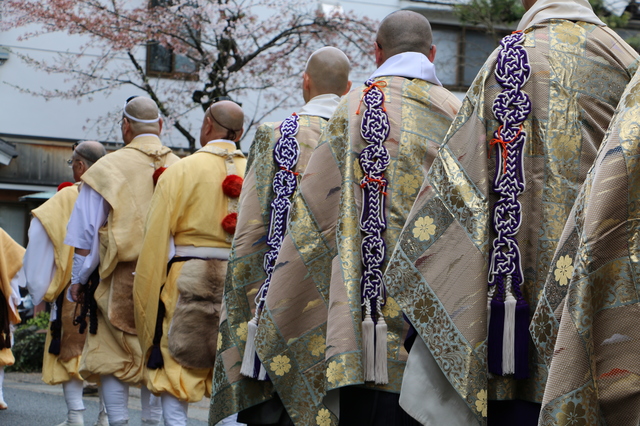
(348, 88)
(432, 53)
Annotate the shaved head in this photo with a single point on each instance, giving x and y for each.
(142, 108)
(222, 120)
(84, 155)
(90, 151)
(404, 31)
(328, 69)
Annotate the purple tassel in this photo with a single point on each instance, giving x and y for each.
(522, 340)
(54, 347)
(155, 358)
(494, 339)
(256, 367)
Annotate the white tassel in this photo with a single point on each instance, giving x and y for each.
(249, 358)
(509, 336)
(382, 378)
(368, 348)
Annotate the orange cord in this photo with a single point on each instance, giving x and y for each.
(379, 85)
(503, 143)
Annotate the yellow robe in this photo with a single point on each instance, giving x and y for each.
(54, 215)
(10, 263)
(189, 205)
(124, 180)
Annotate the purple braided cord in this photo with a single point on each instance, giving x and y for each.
(374, 160)
(511, 108)
(285, 155)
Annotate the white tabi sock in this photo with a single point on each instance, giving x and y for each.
(116, 399)
(175, 411)
(151, 407)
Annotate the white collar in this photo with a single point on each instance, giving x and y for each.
(571, 10)
(409, 65)
(224, 141)
(321, 106)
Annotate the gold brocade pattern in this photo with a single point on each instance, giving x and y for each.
(233, 392)
(320, 256)
(578, 75)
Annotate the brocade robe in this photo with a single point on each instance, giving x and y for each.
(233, 392)
(188, 205)
(590, 307)
(439, 270)
(310, 334)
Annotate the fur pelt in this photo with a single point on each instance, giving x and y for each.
(121, 312)
(72, 341)
(193, 332)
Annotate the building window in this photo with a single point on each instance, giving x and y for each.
(461, 52)
(162, 62)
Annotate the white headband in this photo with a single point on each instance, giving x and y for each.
(139, 120)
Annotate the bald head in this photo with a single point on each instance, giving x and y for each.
(85, 154)
(141, 116)
(403, 31)
(90, 151)
(328, 73)
(223, 120)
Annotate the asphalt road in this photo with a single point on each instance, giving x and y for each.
(32, 403)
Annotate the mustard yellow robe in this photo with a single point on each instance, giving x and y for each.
(125, 180)
(54, 215)
(189, 205)
(10, 263)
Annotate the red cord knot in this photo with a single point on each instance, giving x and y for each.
(504, 144)
(381, 183)
(290, 171)
(380, 85)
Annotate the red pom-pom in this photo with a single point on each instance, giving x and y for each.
(229, 223)
(232, 185)
(157, 173)
(64, 185)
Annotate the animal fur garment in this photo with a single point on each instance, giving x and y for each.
(121, 312)
(194, 329)
(72, 341)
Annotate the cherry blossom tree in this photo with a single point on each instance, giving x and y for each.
(219, 48)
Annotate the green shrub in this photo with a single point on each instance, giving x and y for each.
(28, 346)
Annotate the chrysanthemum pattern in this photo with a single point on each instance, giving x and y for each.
(323, 418)
(572, 414)
(281, 365)
(242, 331)
(424, 228)
(335, 372)
(564, 269)
(481, 402)
(316, 345)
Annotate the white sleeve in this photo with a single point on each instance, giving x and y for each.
(16, 282)
(89, 215)
(39, 261)
(172, 248)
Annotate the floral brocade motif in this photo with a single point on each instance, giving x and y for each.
(444, 303)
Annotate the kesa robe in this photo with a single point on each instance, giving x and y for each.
(594, 374)
(309, 338)
(11, 254)
(439, 270)
(233, 392)
(54, 215)
(124, 179)
(189, 205)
